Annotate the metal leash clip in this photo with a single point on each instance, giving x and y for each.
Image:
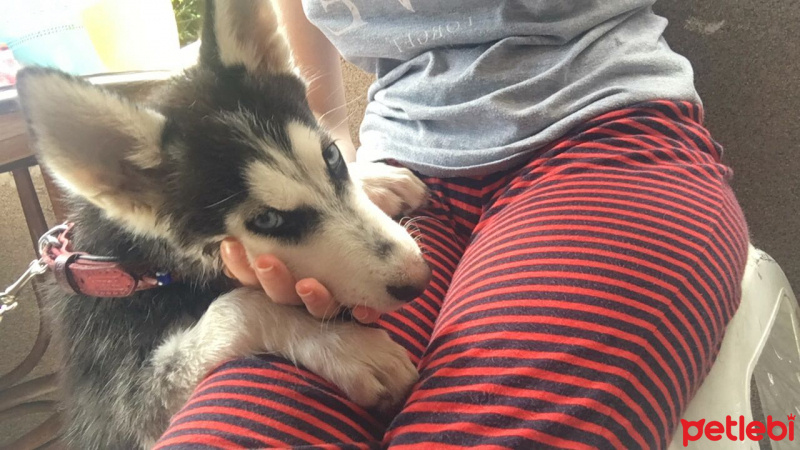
(8, 298)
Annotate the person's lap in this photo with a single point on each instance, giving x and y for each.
(577, 302)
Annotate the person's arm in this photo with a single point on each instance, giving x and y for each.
(319, 63)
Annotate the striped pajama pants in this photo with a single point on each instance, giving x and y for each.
(577, 302)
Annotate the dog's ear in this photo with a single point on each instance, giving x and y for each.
(244, 33)
(95, 144)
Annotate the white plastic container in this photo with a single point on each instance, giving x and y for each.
(133, 34)
(759, 359)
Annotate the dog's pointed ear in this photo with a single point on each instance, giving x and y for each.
(244, 33)
(96, 144)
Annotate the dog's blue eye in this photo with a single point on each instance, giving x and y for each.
(332, 155)
(290, 226)
(269, 220)
(336, 166)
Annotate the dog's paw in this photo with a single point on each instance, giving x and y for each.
(396, 190)
(371, 370)
(364, 363)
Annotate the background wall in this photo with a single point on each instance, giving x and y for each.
(746, 56)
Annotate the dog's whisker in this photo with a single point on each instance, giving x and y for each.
(346, 106)
(310, 81)
(346, 119)
(331, 111)
(325, 317)
(228, 198)
(310, 76)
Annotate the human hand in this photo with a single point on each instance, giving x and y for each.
(272, 275)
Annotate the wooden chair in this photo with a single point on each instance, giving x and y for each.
(16, 156)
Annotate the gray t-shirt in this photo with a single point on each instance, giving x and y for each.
(467, 87)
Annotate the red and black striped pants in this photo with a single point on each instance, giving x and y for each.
(577, 302)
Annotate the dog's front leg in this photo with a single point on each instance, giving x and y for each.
(370, 368)
(364, 363)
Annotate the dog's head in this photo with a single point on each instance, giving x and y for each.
(230, 148)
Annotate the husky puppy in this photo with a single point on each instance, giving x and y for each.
(228, 148)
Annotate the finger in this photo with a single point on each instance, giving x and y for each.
(276, 280)
(317, 298)
(365, 315)
(235, 259)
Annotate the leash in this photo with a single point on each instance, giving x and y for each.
(79, 272)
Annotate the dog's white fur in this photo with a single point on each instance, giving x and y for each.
(265, 47)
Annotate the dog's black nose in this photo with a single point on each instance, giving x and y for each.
(405, 293)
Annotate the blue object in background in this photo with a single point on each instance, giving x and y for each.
(49, 33)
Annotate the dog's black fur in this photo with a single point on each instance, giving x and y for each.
(201, 180)
(99, 338)
(201, 176)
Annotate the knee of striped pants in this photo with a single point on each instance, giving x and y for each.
(588, 307)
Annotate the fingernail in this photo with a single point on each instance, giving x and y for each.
(305, 295)
(229, 246)
(360, 314)
(264, 266)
